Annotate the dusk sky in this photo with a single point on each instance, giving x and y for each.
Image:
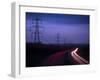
(72, 29)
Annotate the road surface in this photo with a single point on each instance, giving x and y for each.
(65, 57)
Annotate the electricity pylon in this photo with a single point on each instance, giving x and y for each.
(58, 38)
(37, 31)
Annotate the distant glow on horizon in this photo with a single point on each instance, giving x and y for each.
(73, 29)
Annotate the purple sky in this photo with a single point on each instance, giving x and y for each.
(71, 28)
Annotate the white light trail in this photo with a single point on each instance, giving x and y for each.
(78, 58)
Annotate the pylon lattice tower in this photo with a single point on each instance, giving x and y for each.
(64, 40)
(37, 31)
(58, 38)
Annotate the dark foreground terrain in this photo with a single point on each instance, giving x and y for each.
(53, 55)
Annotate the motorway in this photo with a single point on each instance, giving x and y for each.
(59, 58)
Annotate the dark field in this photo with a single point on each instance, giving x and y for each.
(53, 55)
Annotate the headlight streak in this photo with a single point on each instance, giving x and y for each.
(78, 58)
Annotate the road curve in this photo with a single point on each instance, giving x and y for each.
(78, 58)
(56, 58)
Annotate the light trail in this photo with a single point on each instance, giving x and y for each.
(78, 58)
(54, 58)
